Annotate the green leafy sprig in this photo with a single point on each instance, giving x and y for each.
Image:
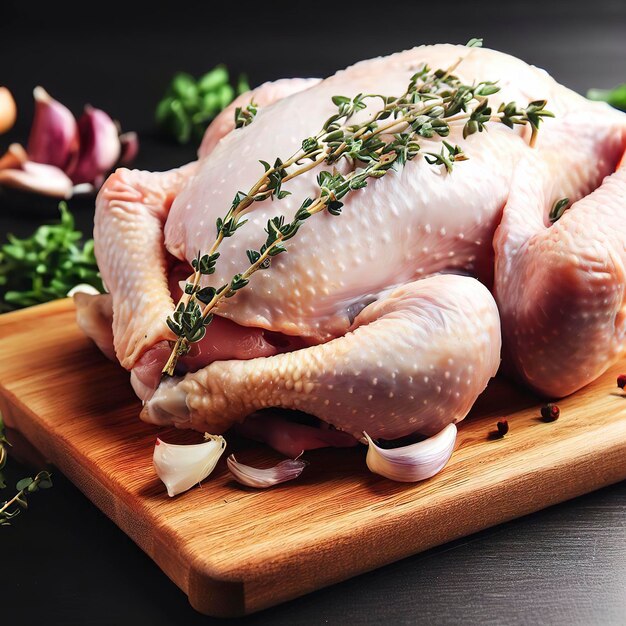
(18, 503)
(433, 103)
(615, 97)
(189, 104)
(46, 265)
(245, 115)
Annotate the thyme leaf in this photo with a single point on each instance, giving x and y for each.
(557, 210)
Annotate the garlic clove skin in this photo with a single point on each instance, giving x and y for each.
(415, 462)
(100, 146)
(264, 478)
(182, 467)
(53, 136)
(8, 110)
(130, 147)
(46, 180)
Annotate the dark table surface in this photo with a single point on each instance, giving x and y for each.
(64, 562)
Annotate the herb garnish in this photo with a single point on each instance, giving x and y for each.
(615, 97)
(558, 208)
(433, 102)
(189, 105)
(46, 265)
(14, 506)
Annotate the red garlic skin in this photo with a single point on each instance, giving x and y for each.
(53, 136)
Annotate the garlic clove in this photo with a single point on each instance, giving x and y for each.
(100, 146)
(83, 288)
(414, 462)
(47, 180)
(8, 110)
(130, 147)
(54, 134)
(182, 467)
(264, 478)
(14, 157)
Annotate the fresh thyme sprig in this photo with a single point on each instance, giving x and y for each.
(245, 115)
(433, 103)
(18, 503)
(11, 508)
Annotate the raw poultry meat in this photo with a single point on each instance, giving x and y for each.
(388, 319)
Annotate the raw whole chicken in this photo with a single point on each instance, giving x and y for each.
(388, 320)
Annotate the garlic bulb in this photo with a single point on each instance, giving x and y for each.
(414, 462)
(182, 467)
(263, 478)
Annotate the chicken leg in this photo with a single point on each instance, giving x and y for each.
(413, 362)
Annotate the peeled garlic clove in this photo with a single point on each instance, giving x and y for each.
(83, 288)
(99, 146)
(414, 462)
(40, 178)
(182, 467)
(130, 147)
(263, 478)
(8, 110)
(54, 133)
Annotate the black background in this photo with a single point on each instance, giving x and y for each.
(64, 562)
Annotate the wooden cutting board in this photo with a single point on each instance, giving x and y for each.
(235, 550)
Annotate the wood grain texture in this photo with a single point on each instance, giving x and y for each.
(235, 551)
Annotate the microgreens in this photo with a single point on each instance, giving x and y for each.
(433, 103)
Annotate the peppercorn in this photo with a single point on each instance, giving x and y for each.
(503, 427)
(550, 412)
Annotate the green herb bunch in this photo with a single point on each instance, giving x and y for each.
(24, 487)
(433, 103)
(615, 97)
(46, 265)
(189, 105)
